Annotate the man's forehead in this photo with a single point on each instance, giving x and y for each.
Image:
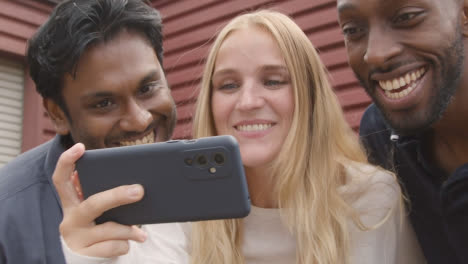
(384, 6)
(127, 60)
(345, 5)
(350, 5)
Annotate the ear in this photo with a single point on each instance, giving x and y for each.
(465, 18)
(58, 116)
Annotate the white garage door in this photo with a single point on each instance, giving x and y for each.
(11, 109)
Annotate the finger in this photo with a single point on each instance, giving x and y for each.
(77, 184)
(98, 203)
(87, 237)
(115, 231)
(112, 248)
(62, 176)
(106, 249)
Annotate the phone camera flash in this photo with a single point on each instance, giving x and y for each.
(188, 161)
(213, 170)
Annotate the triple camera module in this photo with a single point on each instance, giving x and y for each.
(201, 160)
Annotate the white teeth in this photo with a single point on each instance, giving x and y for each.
(402, 82)
(255, 127)
(389, 85)
(402, 93)
(406, 80)
(147, 139)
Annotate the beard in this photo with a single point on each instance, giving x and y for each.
(445, 83)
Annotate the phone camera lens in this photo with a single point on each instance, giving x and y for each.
(202, 160)
(218, 158)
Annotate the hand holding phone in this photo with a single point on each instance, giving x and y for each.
(78, 228)
(184, 180)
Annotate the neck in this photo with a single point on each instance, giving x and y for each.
(261, 186)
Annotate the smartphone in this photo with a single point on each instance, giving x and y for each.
(184, 180)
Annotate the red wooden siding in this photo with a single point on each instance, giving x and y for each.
(18, 22)
(19, 19)
(190, 26)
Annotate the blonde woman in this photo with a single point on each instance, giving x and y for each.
(315, 198)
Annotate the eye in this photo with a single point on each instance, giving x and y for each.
(352, 32)
(274, 82)
(349, 30)
(145, 89)
(408, 17)
(148, 88)
(228, 86)
(105, 103)
(405, 17)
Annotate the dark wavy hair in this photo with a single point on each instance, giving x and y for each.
(73, 27)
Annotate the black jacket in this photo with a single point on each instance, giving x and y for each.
(438, 203)
(30, 210)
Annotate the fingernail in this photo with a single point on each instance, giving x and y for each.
(134, 191)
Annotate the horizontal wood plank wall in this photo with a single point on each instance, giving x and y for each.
(190, 26)
(19, 20)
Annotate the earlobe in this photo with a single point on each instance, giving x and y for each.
(57, 116)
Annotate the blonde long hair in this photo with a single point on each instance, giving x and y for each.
(318, 142)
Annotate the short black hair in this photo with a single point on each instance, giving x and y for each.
(76, 25)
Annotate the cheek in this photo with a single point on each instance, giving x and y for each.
(162, 103)
(285, 105)
(357, 63)
(221, 108)
(353, 52)
(96, 127)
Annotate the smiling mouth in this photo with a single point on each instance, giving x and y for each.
(253, 127)
(144, 140)
(400, 87)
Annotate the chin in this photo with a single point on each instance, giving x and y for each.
(255, 161)
(410, 123)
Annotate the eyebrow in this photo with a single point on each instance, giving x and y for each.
(222, 72)
(268, 67)
(97, 94)
(153, 75)
(274, 68)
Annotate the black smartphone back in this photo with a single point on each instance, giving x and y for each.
(184, 180)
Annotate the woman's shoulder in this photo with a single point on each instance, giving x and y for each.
(372, 191)
(372, 179)
(376, 196)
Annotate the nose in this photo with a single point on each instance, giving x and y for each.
(381, 47)
(250, 97)
(136, 118)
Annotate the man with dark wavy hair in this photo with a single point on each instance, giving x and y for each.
(98, 67)
(410, 57)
